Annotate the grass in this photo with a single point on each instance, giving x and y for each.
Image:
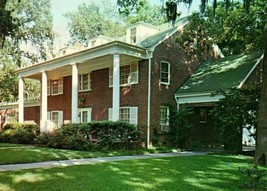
(196, 173)
(17, 154)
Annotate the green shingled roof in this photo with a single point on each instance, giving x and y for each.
(164, 33)
(219, 74)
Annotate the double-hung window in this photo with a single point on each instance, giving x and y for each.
(165, 72)
(56, 118)
(164, 118)
(128, 74)
(203, 115)
(55, 87)
(84, 115)
(133, 35)
(127, 114)
(84, 82)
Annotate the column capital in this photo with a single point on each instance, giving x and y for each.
(74, 63)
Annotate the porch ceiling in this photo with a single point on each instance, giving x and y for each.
(87, 60)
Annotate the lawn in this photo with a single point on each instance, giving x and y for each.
(194, 173)
(14, 154)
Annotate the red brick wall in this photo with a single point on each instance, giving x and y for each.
(32, 114)
(180, 69)
(62, 102)
(100, 97)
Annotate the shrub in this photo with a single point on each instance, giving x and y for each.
(253, 177)
(103, 135)
(19, 133)
(179, 127)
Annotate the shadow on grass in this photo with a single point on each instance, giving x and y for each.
(178, 173)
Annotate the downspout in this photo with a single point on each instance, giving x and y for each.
(149, 54)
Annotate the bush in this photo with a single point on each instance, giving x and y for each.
(102, 135)
(19, 133)
(253, 177)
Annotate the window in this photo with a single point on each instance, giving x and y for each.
(203, 115)
(84, 115)
(164, 118)
(84, 82)
(133, 35)
(56, 118)
(128, 74)
(165, 73)
(55, 87)
(93, 43)
(127, 114)
(125, 72)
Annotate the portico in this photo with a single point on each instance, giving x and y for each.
(109, 55)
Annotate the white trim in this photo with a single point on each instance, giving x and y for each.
(250, 72)
(150, 55)
(116, 88)
(21, 100)
(43, 116)
(84, 55)
(74, 94)
(169, 73)
(80, 85)
(89, 114)
(165, 127)
(201, 98)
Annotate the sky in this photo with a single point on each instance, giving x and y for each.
(60, 7)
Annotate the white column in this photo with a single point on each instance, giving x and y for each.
(21, 100)
(43, 123)
(74, 94)
(116, 88)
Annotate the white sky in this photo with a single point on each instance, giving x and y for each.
(60, 7)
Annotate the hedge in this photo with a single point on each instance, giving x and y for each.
(19, 133)
(102, 135)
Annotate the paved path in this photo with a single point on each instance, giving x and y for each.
(63, 163)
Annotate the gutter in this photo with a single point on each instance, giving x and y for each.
(150, 55)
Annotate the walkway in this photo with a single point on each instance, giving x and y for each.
(64, 163)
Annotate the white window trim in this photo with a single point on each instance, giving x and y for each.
(89, 117)
(169, 73)
(89, 83)
(133, 114)
(165, 127)
(129, 78)
(60, 119)
(50, 87)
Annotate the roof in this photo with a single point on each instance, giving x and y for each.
(164, 33)
(224, 73)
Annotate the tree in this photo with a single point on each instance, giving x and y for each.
(144, 12)
(27, 38)
(234, 31)
(261, 149)
(91, 20)
(237, 110)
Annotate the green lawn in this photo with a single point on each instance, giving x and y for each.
(191, 173)
(14, 154)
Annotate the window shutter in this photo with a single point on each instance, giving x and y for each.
(89, 81)
(89, 117)
(134, 73)
(48, 87)
(48, 115)
(60, 85)
(110, 114)
(110, 77)
(134, 115)
(60, 118)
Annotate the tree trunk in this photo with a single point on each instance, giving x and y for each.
(261, 143)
